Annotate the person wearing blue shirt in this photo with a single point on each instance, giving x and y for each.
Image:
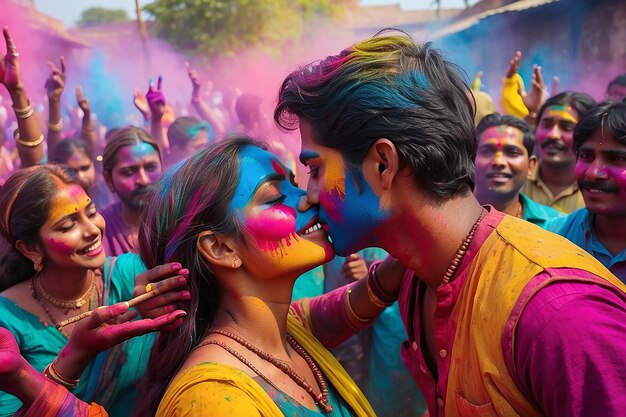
(600, 228)
(503, 162)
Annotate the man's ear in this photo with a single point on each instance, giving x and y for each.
(383, 162)
(109, 181)
(532, 163)
(218, 250)
(32, 251)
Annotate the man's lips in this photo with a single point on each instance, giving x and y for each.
(497, 175)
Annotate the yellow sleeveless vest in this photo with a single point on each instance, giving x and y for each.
(479, 383)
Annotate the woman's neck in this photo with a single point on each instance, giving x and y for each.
(261, 322)
(66, 283)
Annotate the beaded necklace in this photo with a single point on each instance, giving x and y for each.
(41, 296)
(460, 253)
(320, 399)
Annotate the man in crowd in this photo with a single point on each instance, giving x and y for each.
(553, 182)
(498, 313)
(616, 89)
(600, 228)
(503, 162)
(131, 166)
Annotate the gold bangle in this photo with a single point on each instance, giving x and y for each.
(355, 318)
(29, 144)
(24, 110)
(24, 113)
(51, 373)
(56, 127)
(374, 298)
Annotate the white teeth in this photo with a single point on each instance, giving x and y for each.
(311, 229)
(92, 247)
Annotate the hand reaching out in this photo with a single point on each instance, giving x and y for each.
(111, 325)
(156, 99)
(55, 84)
(139, 100)
(82, 101)
(9, 66)
(196, 83)
(536, 97)
(514, 64)
(354, 267)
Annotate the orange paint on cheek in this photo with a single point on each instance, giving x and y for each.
(335, 175)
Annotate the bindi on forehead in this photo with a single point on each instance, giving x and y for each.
(67, 201)
(501, 135)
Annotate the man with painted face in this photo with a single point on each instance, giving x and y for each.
(131, 166)
(498, 312)
(600, 228)
(503, 162)
(553, 181)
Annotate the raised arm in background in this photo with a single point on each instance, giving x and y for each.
(29, 137)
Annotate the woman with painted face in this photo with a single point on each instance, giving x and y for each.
(234, 214)
(55, 269)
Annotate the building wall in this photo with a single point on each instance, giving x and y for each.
(583, 42)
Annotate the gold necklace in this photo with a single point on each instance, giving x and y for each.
(61, 303)
(41, 299)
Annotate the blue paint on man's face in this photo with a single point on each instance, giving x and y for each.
(360, 215)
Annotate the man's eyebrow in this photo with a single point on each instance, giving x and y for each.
(308, 155)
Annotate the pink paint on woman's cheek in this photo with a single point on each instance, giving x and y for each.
(59, 246)
(272, 225)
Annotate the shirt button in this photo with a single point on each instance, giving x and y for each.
(414, 345)
(423, 369)
(443, 353)
(440, 402)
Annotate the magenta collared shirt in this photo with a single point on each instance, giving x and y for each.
(570, 341)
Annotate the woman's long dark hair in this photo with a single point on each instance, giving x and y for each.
(25, 207)
(191, 198)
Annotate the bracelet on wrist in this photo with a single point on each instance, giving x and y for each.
(28, 143)
(52, 374)
(379, 297)
(56, 127)
(354, 318)
(24, 113)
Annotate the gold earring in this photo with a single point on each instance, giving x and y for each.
(37, 264)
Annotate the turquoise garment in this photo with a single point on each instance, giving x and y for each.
(111, 378)
(310, 284)
(291, 408)
(577, 227)
(537, 213)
